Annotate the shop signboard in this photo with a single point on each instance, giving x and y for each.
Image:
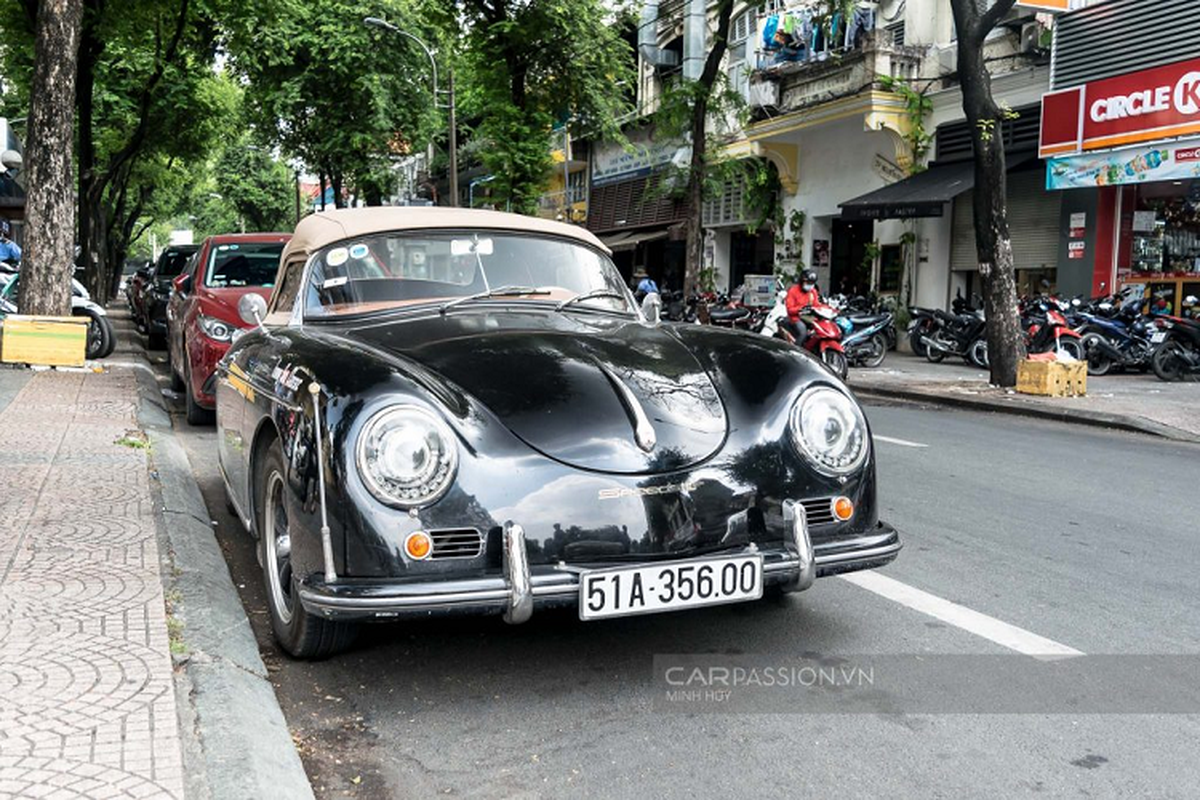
(611, 162)
(1179, 161)
(1053, 5)
(1151, 105)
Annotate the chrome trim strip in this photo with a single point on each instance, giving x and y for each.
(799, 543)
(516, 573)
(859, 555)
(446, 600)
(643, 431)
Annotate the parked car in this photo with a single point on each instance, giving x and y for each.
(464, 411)
(202, 316)
(152, 293)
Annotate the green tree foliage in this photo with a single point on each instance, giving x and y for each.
(526, 65)
(330, 91)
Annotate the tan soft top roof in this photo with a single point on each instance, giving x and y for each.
(326, 227)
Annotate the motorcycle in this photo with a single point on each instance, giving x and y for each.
(1177, 355)
(1115, 336)
(1047, 330)
(962, 335)
(824, 335)
(866, 342)
(101, 339)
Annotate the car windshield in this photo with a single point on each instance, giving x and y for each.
(397, 270)
(173, 262)
(243, 264)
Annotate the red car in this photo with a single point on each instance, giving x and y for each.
(202, 315)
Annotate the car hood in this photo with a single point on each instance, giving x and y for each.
(223, 303)
(597, 393)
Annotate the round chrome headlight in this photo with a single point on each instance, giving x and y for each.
(829, 428)
(406, 456)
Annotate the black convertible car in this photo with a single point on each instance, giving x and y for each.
(465, 411)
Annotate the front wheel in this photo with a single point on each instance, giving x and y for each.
(875, 351)
(1170, 362)
(196, 413)
(835, 361)
(1073, 347)
(1098, 363)
(99, 334)
(301, 634)
(977, 354)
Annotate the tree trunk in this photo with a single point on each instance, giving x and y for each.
(696, 170)
(1006, 346)
(335, 181)
(50, 207)
(90, 48)
(321, 178)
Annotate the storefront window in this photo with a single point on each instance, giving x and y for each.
(1166, 230)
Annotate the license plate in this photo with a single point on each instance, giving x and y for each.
(624, 591)
(1158, 337)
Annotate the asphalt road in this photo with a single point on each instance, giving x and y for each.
(1021, 535)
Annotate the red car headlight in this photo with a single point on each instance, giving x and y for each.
(216, 329)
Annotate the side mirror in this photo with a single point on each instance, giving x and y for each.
(252, 308)
(11, 159)
(183, 284)
(652, 308)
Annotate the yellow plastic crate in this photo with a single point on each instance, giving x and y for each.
(49, 341)
(1052, 378)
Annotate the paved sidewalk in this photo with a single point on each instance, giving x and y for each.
(1128, 401)
(87, 704)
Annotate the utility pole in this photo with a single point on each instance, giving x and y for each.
(453, 144)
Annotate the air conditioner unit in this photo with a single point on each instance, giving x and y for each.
(1031, 38)
(763, 94)
(947, 59)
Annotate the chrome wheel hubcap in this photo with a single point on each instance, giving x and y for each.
(278, 547)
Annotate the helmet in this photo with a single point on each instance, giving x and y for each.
(808, 276)
(5, 230)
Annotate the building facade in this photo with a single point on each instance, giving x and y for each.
(1121, 138)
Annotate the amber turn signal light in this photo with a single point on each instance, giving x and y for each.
(843, 508)
(418, 545)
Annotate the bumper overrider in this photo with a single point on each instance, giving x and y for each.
(521, 588)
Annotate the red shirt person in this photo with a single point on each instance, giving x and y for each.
(802, 295)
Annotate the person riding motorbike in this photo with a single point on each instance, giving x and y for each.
(10, 251)
(802, 294)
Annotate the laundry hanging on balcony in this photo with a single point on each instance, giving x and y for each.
(803, 34)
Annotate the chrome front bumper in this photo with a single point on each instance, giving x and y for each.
(522, 587)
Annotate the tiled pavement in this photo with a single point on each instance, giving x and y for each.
(87, 708)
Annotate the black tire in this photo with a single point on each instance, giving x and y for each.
(1072, 347)
(934, 355)
(836, 362)
(977, 354)
(196, 414)
(1098, 363)
(299, 633)
(914, 341)
(1168, 362)
(99, 335)
(876, 351)
(112, 338)
(176, 381)
(156, 341)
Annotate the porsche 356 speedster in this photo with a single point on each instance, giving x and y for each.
(445, 411)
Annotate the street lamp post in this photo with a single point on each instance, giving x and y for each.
(437, 103)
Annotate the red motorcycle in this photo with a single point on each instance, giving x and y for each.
(824, 335)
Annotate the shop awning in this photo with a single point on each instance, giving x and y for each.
(631, 239)
(922, 195)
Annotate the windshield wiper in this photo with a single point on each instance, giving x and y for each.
(502, 291)
(588, 296)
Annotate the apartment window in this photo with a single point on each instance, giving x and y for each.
(743, 27)
(896, 33)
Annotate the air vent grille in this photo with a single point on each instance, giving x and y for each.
(459, 543)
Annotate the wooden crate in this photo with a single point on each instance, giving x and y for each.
(1052, 378)
(49, 341)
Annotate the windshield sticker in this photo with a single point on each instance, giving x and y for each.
(359, 251)
(333, 283)
(337, 256)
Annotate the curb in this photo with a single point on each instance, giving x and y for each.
(236, 743)
(1095, 419)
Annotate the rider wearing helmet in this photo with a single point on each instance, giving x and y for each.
(801, 295)
(10, 251)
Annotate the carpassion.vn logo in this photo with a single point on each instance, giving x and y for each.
(713, 677)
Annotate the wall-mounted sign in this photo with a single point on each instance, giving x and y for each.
(1075, 250)
(612, 162)
(1154, 104)
(1131, 165)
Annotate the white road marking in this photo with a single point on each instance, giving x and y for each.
(901, 442)
(989, 628)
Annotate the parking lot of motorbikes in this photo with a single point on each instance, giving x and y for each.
(840, 331)
(1118, 332)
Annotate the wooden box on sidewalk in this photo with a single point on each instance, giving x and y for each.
(49, 341)
(1052, 378)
